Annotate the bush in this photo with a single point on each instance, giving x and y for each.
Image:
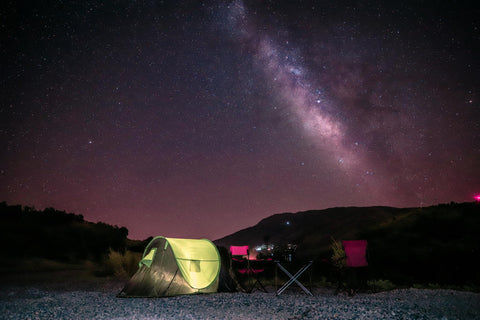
(120, 265)
(339, 259)
(380, 285)
(58, 235)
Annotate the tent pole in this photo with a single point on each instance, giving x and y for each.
(166, 290)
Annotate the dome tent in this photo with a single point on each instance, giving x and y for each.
(172, 266)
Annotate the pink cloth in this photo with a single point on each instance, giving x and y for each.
(250, 271)
(239, 250)
(356, 251)
(240, 260)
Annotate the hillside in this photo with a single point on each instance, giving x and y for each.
(312, 230)
(27, 233)
(437, 244)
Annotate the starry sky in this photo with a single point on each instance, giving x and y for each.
(196, 119)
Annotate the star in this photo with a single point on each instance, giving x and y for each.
(199, 119)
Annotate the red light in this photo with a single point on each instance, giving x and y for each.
(477, 197)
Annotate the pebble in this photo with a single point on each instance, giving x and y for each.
(35, 303)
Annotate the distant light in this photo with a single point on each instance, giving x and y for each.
(477, 197)
(287, 223)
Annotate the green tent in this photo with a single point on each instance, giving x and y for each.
(171, 267)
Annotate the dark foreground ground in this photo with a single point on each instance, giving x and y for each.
(72, 296)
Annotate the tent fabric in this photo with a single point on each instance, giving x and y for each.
(147, 260)
(355, 250)
(199, 261)
(172, 266)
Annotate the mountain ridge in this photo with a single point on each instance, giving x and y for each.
(312, 230)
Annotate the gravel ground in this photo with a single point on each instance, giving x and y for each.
(47, 302)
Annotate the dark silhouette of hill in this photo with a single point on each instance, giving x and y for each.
(437, 244)
(312, 230)
(27, 233)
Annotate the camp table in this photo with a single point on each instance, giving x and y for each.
(293, 278)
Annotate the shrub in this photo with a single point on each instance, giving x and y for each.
(380, 285)
(120, 265)
(338, 254)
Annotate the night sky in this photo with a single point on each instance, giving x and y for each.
(196, 119)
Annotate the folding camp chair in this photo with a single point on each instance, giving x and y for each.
(244, 268)
(356, 259)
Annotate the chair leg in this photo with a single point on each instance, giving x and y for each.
(259, 284)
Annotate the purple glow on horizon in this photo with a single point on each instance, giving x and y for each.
(193, 119)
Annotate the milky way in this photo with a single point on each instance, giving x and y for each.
(304, 101)
(197, 119)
